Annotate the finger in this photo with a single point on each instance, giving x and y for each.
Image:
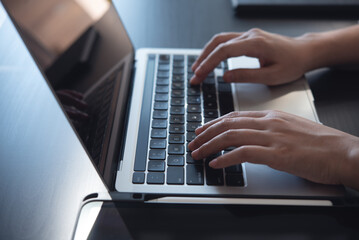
(251, 154)
(236, 114)
(212, 44)
(74, 93)
(75, 114)
(223, 126)
(231, 138)
(223, 51)
(69, 100)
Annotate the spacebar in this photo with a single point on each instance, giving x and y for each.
(142, 138)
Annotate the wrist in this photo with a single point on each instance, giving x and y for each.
(316, 49)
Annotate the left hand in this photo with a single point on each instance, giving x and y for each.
(282, 141)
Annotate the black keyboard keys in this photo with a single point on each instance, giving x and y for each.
(194, 174)
(155, 178)
(175, 160)
(175, 175)
(176, 149)
(138, 177)
(156, 166)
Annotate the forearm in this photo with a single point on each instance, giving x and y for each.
(333, 48)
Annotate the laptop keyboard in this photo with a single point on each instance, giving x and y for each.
(178, 109)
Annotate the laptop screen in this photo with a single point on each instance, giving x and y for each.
(82, 48)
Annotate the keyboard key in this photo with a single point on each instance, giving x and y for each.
(177, 93)
(161, 97)
(224, 87)
(160, 105)
(163, 74)
(177, 102)
(176, 128)
(226, 103)
(194, 174)
(158, 123)
(209, 81)
(194, 100)
(193, 108)
(190, 136)
(161, 89)
(190, 160)
(234, 169)
(209, 97)
(158, 133)
(220, 80)
(163, 67)
(175, 160)
(177, 78)
(175, 175)
(178, 64)
(210, 113)
(138, 178)
(176, 138)
(191, 59)
(192, 126)
(210, 105)
(175, 149)
(158, 144)
(177, 110)
(235, 180)
(160, 114)
(163, 82)
(194, 117)
(155, 178)
(193, 91)
(209, 89)
(176, 119)
(178, 58)
(157, 154)
(156, 166)
(177, 85)
(178, 71)
(213, 176)
(164, 58)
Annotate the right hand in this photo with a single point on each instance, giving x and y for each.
(73, 104)
(282, 59)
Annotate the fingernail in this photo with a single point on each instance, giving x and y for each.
(194, 65)
(213, 163)
(194, 154)
(190, 146)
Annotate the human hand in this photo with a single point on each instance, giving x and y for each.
(282, 141)
(73, 104)
(282, 59)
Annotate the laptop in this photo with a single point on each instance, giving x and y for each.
(297, 8)
(142, 112)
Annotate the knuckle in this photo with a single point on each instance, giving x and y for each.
(243, 152)
(255, 31)
(218, 37)
(230, 134)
